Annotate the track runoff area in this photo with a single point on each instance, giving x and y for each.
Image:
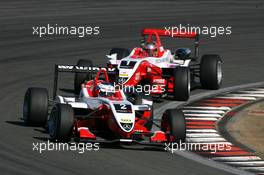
(204, 137)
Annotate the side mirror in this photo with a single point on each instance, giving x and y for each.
(183, 53)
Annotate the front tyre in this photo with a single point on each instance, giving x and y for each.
(211, 74)
(61, 123)
(181, 83)
(173, 123)
(35, 108)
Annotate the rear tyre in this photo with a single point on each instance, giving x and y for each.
(182, 83)
(173, 123)
(61, 123)
(132, 96)
(211, 72)
(79, 78)
(35, 108)
(136, 98)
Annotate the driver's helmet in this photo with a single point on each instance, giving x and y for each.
(105, 89)
(151, 49)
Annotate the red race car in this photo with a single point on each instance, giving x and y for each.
(166, 72)
(100, 112)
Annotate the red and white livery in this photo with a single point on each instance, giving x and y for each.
(170, 72)
(100, 112)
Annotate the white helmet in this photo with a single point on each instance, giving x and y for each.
(151, 49)
(105, 89)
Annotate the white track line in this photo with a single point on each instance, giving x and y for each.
(258, 89)
(252, 92)
(210, 131)
(201, 130)
(247, 95)
(208, 107)
(205, 139)
(204, 115)
(204, 119)
(199, 135)
(238, 98)
(205, 111)
(250, 163)
(252, 168)
(237, 158)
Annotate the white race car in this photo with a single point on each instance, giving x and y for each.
(169, 73)
(99, 113)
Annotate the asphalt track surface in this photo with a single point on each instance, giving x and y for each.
(27, 60)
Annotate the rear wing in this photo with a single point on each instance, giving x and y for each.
(176, 34)
(76, 69)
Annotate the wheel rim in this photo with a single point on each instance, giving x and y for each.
(53, 124)
(219, 72)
